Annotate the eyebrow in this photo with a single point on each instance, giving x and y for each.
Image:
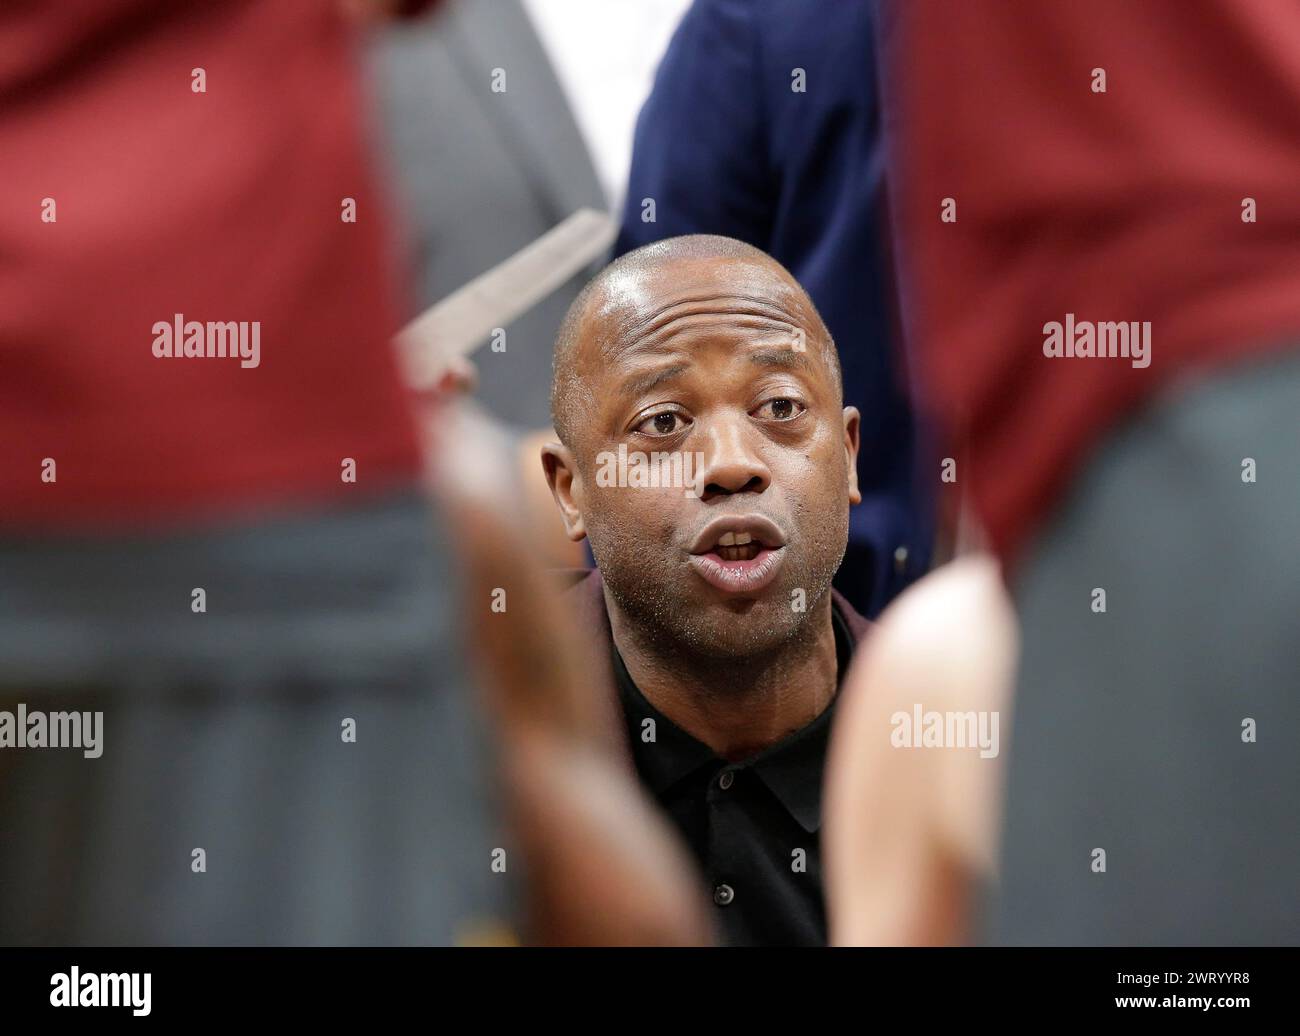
(641, 383)
(784, 358)
(645, 381)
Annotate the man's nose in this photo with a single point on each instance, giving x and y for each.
(732, 461)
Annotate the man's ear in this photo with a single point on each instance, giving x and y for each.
(566, 486)
(852, 423)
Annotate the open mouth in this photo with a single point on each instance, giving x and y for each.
(737, 546)
(739, 555)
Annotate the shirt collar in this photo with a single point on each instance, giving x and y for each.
(791, 768)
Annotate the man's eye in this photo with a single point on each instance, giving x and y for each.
(781, 409)
(661, 424)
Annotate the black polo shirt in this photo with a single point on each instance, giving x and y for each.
(753, 826)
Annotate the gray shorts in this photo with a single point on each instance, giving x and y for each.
(224, 730)
(1133, 726)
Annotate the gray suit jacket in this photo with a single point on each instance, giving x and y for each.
(482, 174)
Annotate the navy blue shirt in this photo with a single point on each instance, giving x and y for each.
(729, 144)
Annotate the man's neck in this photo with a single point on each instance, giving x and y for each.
(736, 706)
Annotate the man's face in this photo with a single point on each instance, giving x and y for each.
(720, 361)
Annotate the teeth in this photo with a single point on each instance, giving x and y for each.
(735, 539)
(739, 552)
(742, 538)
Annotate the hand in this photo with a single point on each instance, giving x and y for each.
(908, 829)
(604, 865)
(459, 378)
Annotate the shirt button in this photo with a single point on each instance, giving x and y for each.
(726, 780)
(723, 894)
(900, 560)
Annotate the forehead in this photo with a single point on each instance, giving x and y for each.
(643, 311)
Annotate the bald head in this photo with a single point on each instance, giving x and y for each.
(634, 296)
(695, 384)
